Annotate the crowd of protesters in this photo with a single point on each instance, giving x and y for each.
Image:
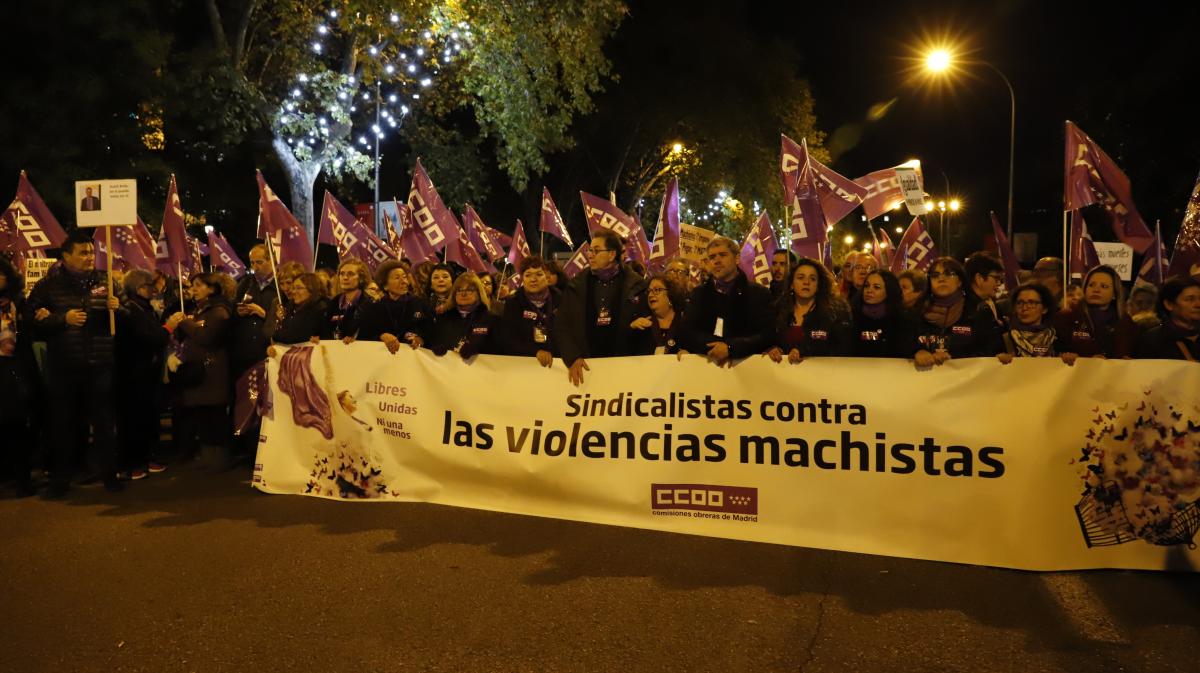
(104, 389)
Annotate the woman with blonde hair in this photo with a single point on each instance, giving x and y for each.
(465, 323)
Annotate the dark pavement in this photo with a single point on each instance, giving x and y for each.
(194, 572)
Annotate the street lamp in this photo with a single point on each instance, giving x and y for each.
(939, 61)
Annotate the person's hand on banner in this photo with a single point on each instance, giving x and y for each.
(718, 352)
(1004, 358)
(794, 357)
(414, 340)
(923, 359)
(776, 354)
(680, 356)
(940, 356)
(390, 340)
(575, 373)
(1070, 358)
(348, 340)
(76, 317)
(271, 352)
(315, 340)
(545, 358)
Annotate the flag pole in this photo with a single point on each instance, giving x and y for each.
(1066, 253)
(1158, 270)
(179, 277)
(108, 255)
(274, 267)
(542, 245)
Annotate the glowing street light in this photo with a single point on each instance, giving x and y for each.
(676, 148)
(939, 61)
(955, 204)
(848, 240)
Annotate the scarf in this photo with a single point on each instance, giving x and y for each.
(724, 286)
(1032, 341)
(875, 311)
(945, 311)
(608, 273)
(467, 310)
(538, 299)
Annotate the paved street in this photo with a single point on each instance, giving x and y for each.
(194, 572)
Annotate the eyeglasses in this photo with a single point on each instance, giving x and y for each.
(934, 275)
(466, 290)
(862, 267)
(998, 277)
(656, 290)
(597, 251)
(1027, 303)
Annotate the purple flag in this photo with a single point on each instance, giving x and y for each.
(839, 194)
(481, 236)
(221, 256)
(1092, 177)
(393, 238)
(432, 216)
(602, 214)
(28, 224)
(1082, 256)
(460, 251)
(551, 221)
(127, 252)
(889, 248)
(809, 226)
(1007, 256)
(1185, 257)
(666, 237)
(757, 251)
(253, 399)
(289, 240)
(637, 248)
(180, 252)
(414, 244)
(1155, 263)
(916, 249)
(520, 249)
(578, 261)
(339, 228)
(884, 191)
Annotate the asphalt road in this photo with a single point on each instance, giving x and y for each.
(194, 572)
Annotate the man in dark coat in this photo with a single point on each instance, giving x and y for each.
(254, 322)
(79, 359)
(728, 316)
(598, 306)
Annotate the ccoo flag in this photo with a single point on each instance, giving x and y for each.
(1092, 177)
(551, 221)
(757, 252)
(839, 194)
(429, 214)
(289, 240)
(27, 224)
(916, 249)
(1185, 258)
(666, 237)
(221, 256)
(603, 214)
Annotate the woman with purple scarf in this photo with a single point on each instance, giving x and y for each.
(525, 328)
(344, 312)
(812, 320)
(399, 315)
(946, 329)
(881, 327)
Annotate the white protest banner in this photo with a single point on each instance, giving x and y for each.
(35, 270)
(103, 203)
(1117, 255)
(1032, 465)
(693, 241)
(914, 192)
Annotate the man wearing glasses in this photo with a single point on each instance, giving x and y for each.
(252, 328)
(728, 316)
(985, 273)
(598, 306)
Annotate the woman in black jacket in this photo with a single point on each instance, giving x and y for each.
(304, 320)
(526, 325)
(944, 328)
(1031, 331)
(465, 324)
(1176, 338)
(881, 327)
(18, 379)
(201, 370)
(344, 312)
(812, 320)
(140, 348)
(661, 333)
(399, 315)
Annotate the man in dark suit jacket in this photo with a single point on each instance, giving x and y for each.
(598, 306)
(728, 317)
(89, 202)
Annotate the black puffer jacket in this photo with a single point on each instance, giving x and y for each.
(90, 345)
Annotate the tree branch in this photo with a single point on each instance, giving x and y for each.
(243, 27)
(214, 22)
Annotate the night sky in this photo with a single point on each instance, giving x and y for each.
(1120, 71)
